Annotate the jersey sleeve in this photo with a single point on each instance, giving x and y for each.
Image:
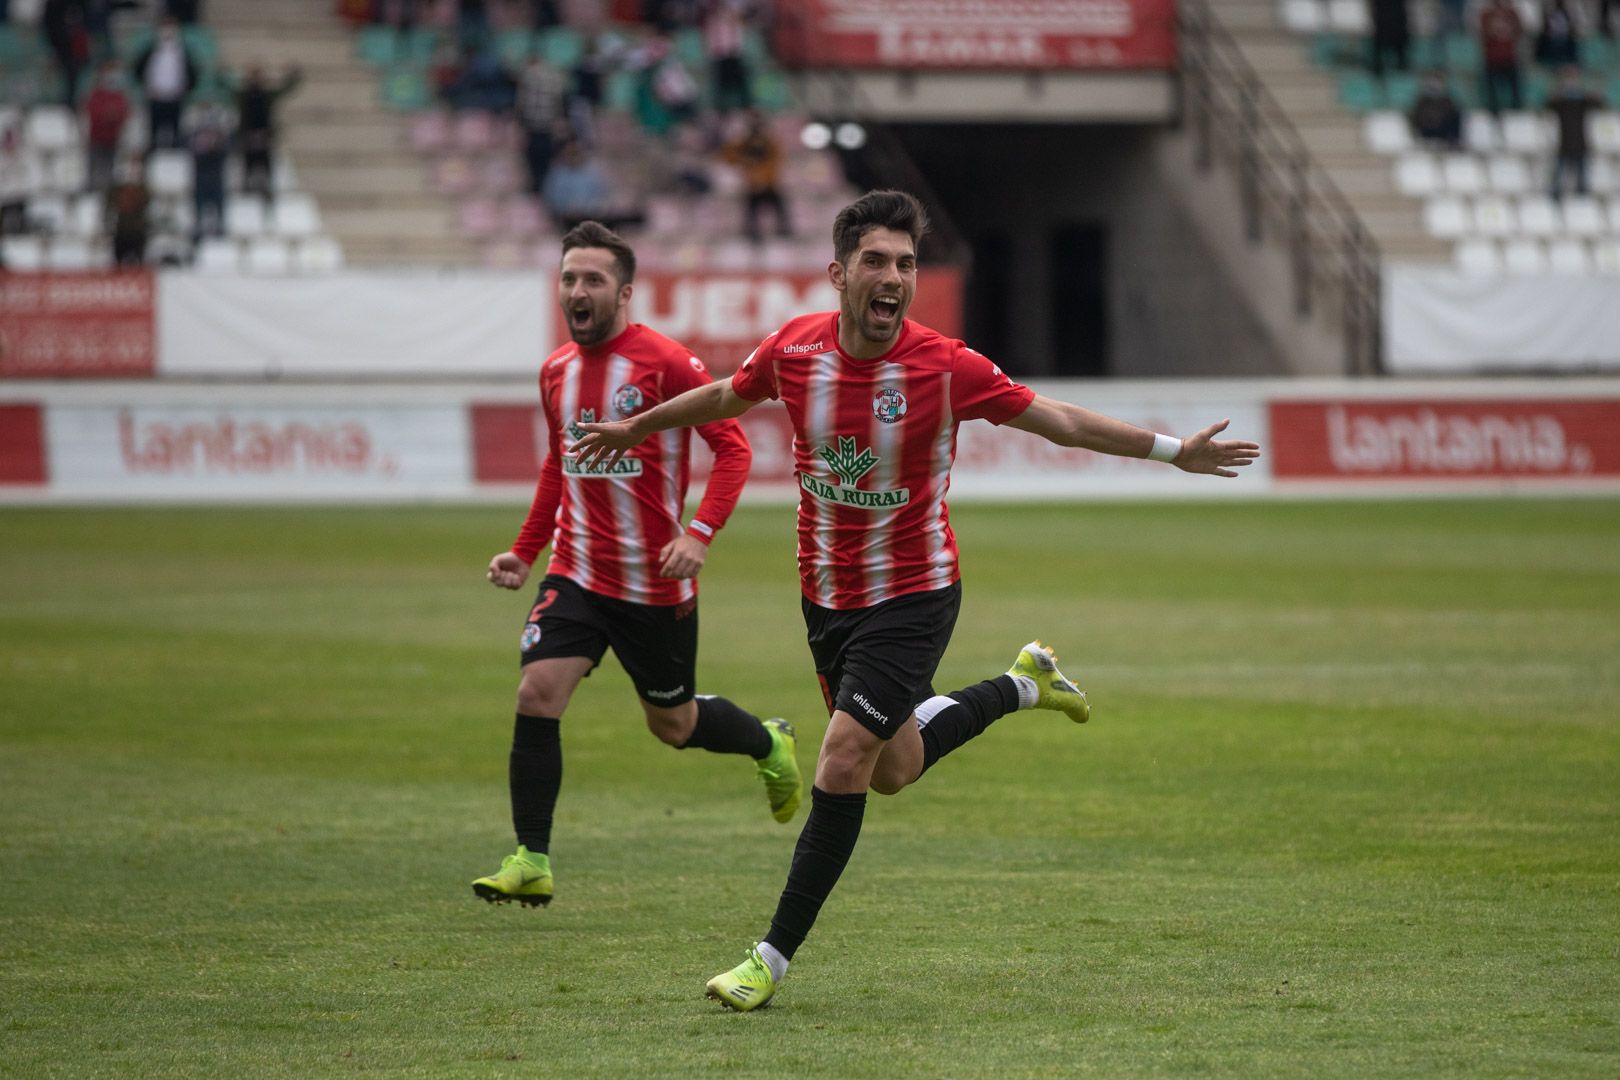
(732, 455)
(982, 391)
(541, 523)
(755, 380)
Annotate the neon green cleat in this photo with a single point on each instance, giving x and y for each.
(1038, 662)
(524, 877)
(780, 770)
(747, 986)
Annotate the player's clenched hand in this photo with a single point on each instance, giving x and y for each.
(508, 571)
(1203, 453)
(682, 557)
(603, 444)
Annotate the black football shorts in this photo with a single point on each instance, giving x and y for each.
(657, 644)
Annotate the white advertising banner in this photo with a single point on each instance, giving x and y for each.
(1438, 321)
(463, 324)
(236, 450)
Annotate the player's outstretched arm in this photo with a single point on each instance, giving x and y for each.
(1071, 425)
(508, 571)
(606, 443)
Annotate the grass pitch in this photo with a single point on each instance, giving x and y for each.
(1349, 806)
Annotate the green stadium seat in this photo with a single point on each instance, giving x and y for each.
(1462, 53)
(1611, 91)
(1537, 86)
(514, 47)
(418, 46)
(1428, 53)
(756, 50)
(689, 48)
(1597, 53)
(405, 88)
(562, 47)
(202, 45)
(1400, 90)
(1360, 91)
(619, 91)
(1327, 50)
(16, 44)
(772, 91)
(377, 46)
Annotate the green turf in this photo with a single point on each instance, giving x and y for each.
(1349, 806)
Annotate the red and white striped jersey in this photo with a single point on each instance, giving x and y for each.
(873, 444)
(611, 524)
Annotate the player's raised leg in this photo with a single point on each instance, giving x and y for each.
(720, 726)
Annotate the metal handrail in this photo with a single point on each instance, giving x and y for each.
(1331, 251)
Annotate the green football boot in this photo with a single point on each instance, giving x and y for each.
(1038, 662)
(524, 877)
(747, 986)
(780, 770)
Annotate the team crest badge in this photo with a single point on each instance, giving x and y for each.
(889, 405)
(531, 636)
(627, 399)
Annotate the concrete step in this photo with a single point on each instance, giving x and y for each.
(392, 251)
(382, 180)
(383, 221)
(349, 134)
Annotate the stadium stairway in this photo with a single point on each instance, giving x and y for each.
(352, 154)
(1332, 133)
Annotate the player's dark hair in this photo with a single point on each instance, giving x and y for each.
(593, 234)
(897, 210)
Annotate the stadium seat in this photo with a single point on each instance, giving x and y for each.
(1539, 216)
(169, 174)
(377, 45)
(1418, 175)
(217, 256)
(499, 175)
(1606, 256)
(405, 89)
(1603, 175)
(294, 215)
(1614, 216)
(480, 218)
(1464, 175)
(1482, 132)
(1359, 91)
(245, 216)
(85, 215)
(22, 253)
(1478, 257)
(1524, 256)
(48, 213)
(1509, 175)
(1494, 216)
(318, 255)
(1585, 216)
(1304, 16)
(268, 255)
(430, 131)
(1387, 132)
(1603, 129)
(1525, 133)
(454, 176)
(51, 128)
(70, 253)
(1569, 257)
(523, 217)
(1349, 17)
(65, 171)
(474, 131)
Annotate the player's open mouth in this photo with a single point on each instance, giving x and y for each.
(885, 308)
(581, 317)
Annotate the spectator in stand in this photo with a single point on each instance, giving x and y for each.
(543, 15)
(106, 108)
(575, 189)
(399, 14)
(723, 29)
(758, 155)
(539, 106)
(668, 16)
(588, 90)
(1392, 34)
(472, 23)
(483, 83)
(1559, 43)
(1605, 15)
(1453, 16)
(127, 205)
(256, 101)
(19, 175)
(1571, 106)
(667, 95)
(444, 71)
(1435, 117)
(167, 76)
(187, 12)
(210, 144)
(63, 24)
(1499, 32)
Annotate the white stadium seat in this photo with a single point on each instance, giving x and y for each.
(65, 171)
(169, 174)
(48, 213)
(295, 215)
(1606, 256)
(1526, 257)
(1387, 132)
(1614, 216)
(1349, 16)
(1585, 216)
(1482, 132)
(85, 215)
(1526, 133)
(1494, 216)
(214, 256)
(318, 255)
(1418, 175)
(1479, 258)
(1568, 257)
(70, 253)
(1464, 174)
(1603, 129)
(1603, 175)
(1540, 216)
(268, 255)
(51, 128)
(1304, 16)
(22, 253)
(1509, 175)
(245, 216)
(1447, 218)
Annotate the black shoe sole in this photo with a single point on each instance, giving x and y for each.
(495, 896)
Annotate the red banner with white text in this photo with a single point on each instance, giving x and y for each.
(978, 34)
(58, 326)
(1496, 439)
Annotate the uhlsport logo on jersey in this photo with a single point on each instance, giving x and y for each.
(627, 399)
(889, 405)
(625, 466)
(848, 464)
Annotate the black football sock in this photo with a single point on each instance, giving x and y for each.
(534, 772)
(830, 831)
(725, 728)
(976, 708)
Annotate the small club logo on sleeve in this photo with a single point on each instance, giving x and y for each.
(889, 405)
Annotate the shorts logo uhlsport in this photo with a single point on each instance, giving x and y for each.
(627, 399)
(889, 405)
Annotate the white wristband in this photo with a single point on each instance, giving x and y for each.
(1165, 448)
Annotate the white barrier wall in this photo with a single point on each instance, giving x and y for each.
(282, 442)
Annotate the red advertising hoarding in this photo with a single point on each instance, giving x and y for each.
(978, 34)
(22, 444)
(97, 325)
(1496, 439)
